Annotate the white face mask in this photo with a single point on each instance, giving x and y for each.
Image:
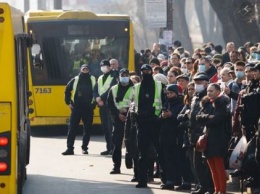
(124, 80)
(184, 70)
(199, 88)
(104, 69)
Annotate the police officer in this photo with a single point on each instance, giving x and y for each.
(119, 100)
(104, 83)
(148, 97)
(79, 98)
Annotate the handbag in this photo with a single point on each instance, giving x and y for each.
(202, 143)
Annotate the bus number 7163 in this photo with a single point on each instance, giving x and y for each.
(42, 90)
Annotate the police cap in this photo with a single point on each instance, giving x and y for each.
(146, 67)
(124, 70)
(105, 62)
(84, 66)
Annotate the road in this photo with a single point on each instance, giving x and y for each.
(49, 172)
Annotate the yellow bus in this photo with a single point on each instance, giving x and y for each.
(14, 120)
(64, 41)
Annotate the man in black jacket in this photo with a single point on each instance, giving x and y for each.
(119, 100)
(104, 83)
(148, 100)
(79, 98)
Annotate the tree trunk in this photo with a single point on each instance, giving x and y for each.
(238, 21)
(199, 9)
(180, 27)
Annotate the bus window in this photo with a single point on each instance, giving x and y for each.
(65, 47)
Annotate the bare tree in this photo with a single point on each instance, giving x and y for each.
(238, 19)
(180, 26)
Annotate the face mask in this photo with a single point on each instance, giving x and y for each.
(202, 68)
(104, 69)
(147, 76)
(253, 55)
(213, 52)
(124, 80)
(199, 88)
(240, 74)
(184, 70)
(258, 57)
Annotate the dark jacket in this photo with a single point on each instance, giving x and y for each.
(146, 108)
(196, 129)
(225, 58)
(216, 127)
(183, 128)
(169, 126)
(120, 96)
(211, 71)
(84, 92)
(131, 129)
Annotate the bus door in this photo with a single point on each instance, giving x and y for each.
(22, 42)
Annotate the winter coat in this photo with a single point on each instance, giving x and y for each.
(169, 126)
(216, 127)
(183, 128)
(196, 129)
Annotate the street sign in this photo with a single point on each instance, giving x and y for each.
(156, 13)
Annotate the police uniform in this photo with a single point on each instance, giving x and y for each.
(119, 100)
(79, 95)
(148, 97)
(104, 83)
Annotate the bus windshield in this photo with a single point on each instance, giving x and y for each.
(63, 46)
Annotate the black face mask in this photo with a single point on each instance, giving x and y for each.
(147, 76)
(83, 74)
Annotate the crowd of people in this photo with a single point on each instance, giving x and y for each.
(161, 110)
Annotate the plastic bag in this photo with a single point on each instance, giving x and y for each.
(237, 156)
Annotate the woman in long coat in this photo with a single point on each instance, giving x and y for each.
(215, 120)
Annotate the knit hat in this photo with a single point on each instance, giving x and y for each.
(173, 88)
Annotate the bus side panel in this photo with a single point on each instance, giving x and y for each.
(8, 94)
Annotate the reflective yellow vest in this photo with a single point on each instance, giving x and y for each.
(157, 104)
(128, 97)
(75, 84)
(102, 88)
(78, 63)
